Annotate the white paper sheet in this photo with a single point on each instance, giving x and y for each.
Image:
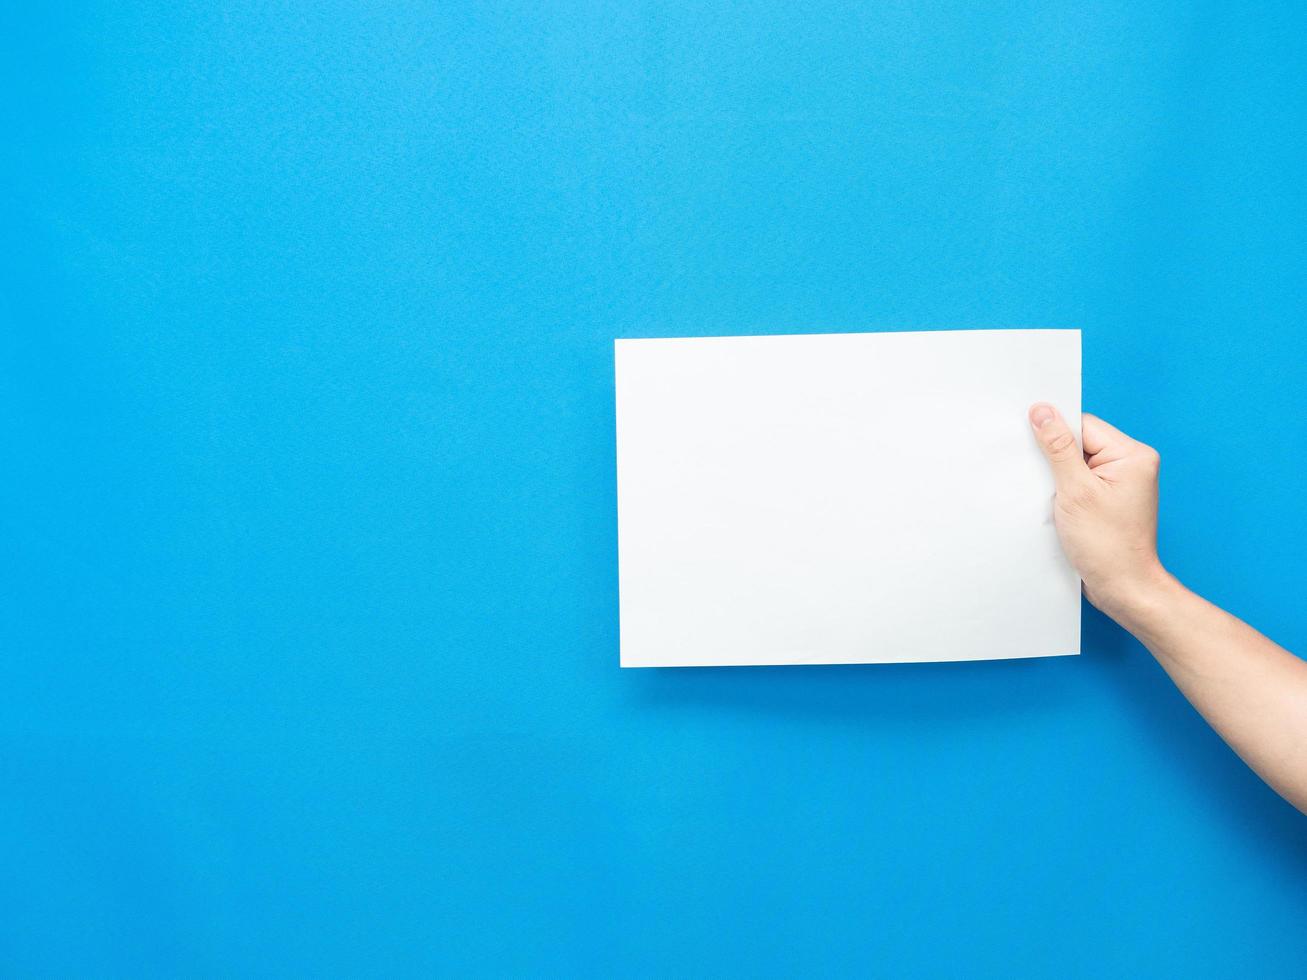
(841, 498)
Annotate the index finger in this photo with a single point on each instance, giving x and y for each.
(1103, 440)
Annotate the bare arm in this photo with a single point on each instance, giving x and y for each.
(1252, 691)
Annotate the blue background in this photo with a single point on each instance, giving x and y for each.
(309, 624)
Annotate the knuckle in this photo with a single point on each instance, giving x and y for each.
(1078, 497)
(1150, 458)
(1060, 445)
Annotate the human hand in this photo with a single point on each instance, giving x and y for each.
(1106, 507)
(1252, 691)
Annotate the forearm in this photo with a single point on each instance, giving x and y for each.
(1252, 691)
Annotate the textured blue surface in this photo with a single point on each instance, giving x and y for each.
(309, 617)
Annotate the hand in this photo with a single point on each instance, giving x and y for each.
(1106, 507)
(1252, 691)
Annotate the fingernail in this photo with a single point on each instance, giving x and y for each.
(1041, 415)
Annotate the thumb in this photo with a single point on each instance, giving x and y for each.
(1059, 444)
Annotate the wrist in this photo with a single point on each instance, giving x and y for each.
(1135, 600)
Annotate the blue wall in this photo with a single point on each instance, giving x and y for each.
(308, 637)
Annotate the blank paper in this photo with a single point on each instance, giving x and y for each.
(841, 498)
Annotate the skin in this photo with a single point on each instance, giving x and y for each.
(1252, 691)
